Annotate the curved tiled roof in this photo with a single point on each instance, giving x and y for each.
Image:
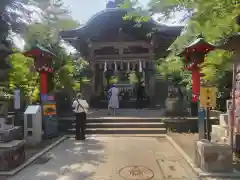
(113, 17)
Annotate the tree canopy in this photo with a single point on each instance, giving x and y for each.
(43, 31)
(215, 20)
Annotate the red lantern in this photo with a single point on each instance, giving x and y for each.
(43, 64)
(195, 54)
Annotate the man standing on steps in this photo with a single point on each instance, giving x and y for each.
(80, 108)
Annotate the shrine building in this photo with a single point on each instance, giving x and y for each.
(116, 47)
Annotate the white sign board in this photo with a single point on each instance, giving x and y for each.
(17, 102)
(229, 105)
(32, 109)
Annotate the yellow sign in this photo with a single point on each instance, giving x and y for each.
(208, 96)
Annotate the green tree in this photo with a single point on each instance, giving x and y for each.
(215, 20)
(15, 15)
(46, 34)
(23, 76)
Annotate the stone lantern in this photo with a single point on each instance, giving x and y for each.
(194, 56)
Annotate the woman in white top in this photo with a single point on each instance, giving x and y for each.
(113, 102)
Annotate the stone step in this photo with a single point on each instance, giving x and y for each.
(126, 125)
(126, 135)
(124, 120)
(115, 119)
(124, 130)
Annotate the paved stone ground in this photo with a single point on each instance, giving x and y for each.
(185, 141)
(103, 158)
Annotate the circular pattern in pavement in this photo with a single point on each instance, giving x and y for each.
(136, 173)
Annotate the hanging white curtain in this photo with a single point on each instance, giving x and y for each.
(105, 66)
(140, 66)
(128, 67)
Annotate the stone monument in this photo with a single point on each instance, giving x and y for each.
(213, 157)
(11, 146)
(174, 103)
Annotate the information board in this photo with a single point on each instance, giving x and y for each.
(49, 115)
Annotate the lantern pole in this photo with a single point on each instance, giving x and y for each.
(208, 125)
(232, 111)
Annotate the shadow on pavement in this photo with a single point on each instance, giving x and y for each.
(71, 160)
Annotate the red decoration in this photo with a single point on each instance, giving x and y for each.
(43, 62)
(195, 54)
(195, 84)
(43, 82)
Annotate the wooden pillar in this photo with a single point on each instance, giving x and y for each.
(93, 83)
(151, 82)
(101, 79)
(143, 71)
(97, 79)
(146, 72)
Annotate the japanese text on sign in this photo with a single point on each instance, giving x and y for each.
(208, 96)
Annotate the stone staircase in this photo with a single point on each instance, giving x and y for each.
(127, 122)
(117, 126)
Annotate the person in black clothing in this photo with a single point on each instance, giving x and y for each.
(140, 95)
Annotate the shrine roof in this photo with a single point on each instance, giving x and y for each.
(107, 22)
(111, 17)
(39, 49)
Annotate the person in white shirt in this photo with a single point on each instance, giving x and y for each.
(113, 102)
(80, 108)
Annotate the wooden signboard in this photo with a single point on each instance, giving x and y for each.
(208, 97)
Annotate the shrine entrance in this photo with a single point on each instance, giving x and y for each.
(121, 73)
(114, 48)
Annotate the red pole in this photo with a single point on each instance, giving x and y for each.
(195, 84)
(43, 82)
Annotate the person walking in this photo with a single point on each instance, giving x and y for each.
(80, 107)
(140, 95)
(113, 102)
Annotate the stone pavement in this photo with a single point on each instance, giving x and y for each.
(111, 158)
